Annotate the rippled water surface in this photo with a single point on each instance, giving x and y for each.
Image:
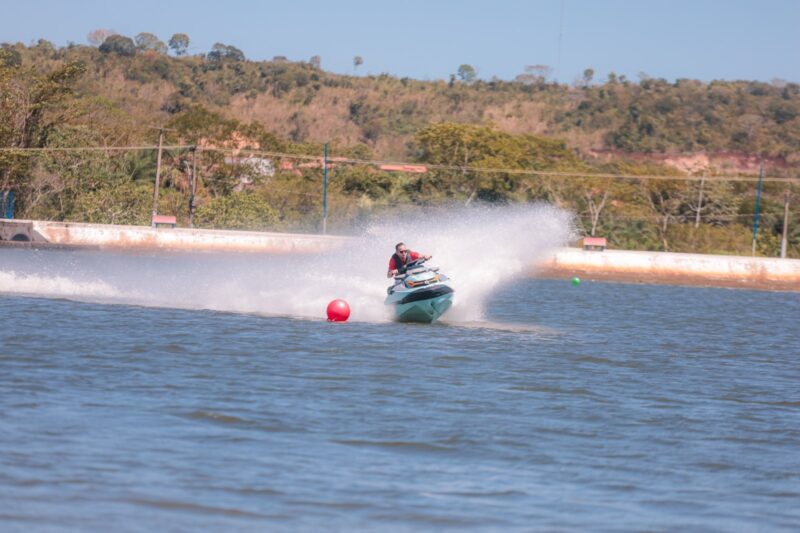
(604, 406)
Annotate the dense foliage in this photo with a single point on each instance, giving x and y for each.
(479, 139)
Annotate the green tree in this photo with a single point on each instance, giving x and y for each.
(241, 210)
(667, 200)
(591, 196)
(712, 202)
(364, 181)
(466, 73)
(118, 44)
(9, 56)
(58, 178)
(179, 43)
(147, 41)
(588, 76)
(122, 202)
(357, 62)
(468, 148)
(32, 105)
(221, 51)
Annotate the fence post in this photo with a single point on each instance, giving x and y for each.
(193, 187)
(785, 224)
(758, 204)
(325, 191)
(158, 178)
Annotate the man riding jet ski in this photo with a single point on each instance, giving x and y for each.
(420, 294)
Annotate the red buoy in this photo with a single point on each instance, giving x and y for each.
(338, 311)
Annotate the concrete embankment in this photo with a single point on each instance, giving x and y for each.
(619, 265)
(106, 236)
(674, 268)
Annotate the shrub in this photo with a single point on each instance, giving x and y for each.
(241, 210)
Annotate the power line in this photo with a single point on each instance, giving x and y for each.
(495, 170)
(678, 215)
(100, 148)
(456, 168)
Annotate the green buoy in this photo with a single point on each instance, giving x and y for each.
(576, 281)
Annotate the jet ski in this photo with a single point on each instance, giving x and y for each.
(420, 294)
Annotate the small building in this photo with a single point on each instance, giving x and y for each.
(594, 244)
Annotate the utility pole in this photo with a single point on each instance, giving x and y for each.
(158, 177)
(758, 204)
(699, 202)
(193, 187)
(161, 131)
(325, 191)
(785, 224)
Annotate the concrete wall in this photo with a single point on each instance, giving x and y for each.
(17, 231)
(660, 267)
(105, 236)
(645, 267)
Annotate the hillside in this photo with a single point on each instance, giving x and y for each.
(115, 94)
(301, 102)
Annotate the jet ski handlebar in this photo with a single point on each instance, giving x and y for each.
(411, 266)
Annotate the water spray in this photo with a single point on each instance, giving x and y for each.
(479, 248)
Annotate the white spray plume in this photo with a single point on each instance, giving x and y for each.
(479, 248)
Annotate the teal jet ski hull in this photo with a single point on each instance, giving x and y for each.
(425, 305)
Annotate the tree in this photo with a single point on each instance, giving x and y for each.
(715, 202)
(239, 210)
(357, 62)
(235, 54)
(179, 43)
(466, 73)
(666, 199)
(147, 41)
(58, 180)
(118, 202)
(98, 36)
(217, 52)
(32, 105)
(44, 46)
(223, 51)
(473, 147)
(315, 62)
(118, 44)
(595, 199)
(9, 56)
(535, 75)
(588, 75)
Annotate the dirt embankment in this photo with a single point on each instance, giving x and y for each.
(695, 163)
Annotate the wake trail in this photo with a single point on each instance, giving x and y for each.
(479, 248)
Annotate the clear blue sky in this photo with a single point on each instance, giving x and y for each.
(702, 39)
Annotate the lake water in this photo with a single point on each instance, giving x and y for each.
(603, 406)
